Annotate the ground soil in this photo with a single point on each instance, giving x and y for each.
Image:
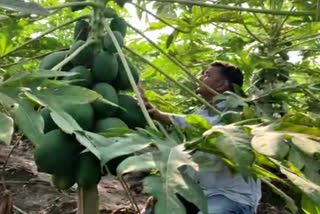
(31, 192)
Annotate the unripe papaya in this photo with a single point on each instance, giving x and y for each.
(102, 109)
(109, 12)
(119, 24)
(49, 124)
(51, 60)
(76, 8)
(105, 67)
(57, 154)
(106, 124)
(122, 82)
(81, 30)
(132, 115)
(108, 43)
(88, 170)
(83, 114)
(84, 57)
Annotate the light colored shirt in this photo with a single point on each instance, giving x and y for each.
(215, 178)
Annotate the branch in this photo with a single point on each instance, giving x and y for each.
(130, 77)
(298, 38)
(251, 34)
(71, 56)
(260, 22)
(283, 21)
(298, 44)
(181, 86)
(231, 31)
(234, 8)
(43, 34)
(85, 3)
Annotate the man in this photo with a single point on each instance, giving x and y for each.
(226, 193)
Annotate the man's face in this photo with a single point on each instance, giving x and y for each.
(214, 79)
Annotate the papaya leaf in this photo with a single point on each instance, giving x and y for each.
(82, 138)
(306, 145)
(24, 77)
(308, 206)
(27, 119)
(310, 189)
(6, 128)
(172, 182)
(137, 163)
(269, 143)
(63, 120)
(171, 38)
(311, 170)
(299, 118)
(298, 128)
(64, 95)
(116, 132)
(198, 122)
(123, 146)
(234, 143)
(24, 7)
(296, 157)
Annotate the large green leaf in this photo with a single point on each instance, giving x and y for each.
(6, 128)
(308, 206)
(270, 143)
(128, 144)
(137, 163)
(234, 143)
(64, 95)
(171, 182)
(25, 7)
(310, 189)
(27, 119)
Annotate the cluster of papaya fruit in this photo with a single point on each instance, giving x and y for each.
(99, 69)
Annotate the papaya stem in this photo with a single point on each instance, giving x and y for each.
(175, 61)
(71, 4)
(251, 34)
(237, 8)
(298, 44)
(181, 86)
(298, 38)
(71, 56)
(88, 200)
(130, 77)
(43, 34)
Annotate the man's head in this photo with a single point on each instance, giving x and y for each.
(220, 77)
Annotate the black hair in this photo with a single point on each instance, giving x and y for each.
(231, 72)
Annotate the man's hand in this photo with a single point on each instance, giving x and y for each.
(154, 112)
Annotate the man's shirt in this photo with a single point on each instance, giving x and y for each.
(214, 177)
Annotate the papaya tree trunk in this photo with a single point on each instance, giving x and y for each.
(88, 200)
